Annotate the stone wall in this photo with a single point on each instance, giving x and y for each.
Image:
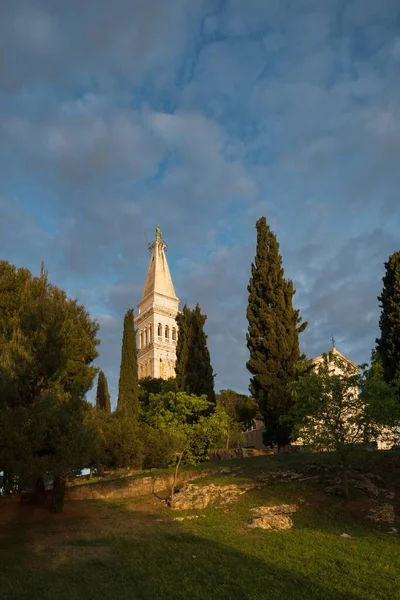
(135, 486)
(230, 453)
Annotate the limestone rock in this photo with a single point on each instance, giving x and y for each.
(192, 496)
(273, 518)
(390, 495)
(383, 513)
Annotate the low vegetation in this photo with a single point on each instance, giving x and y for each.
(140, 549)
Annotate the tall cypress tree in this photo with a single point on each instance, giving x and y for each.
(388, 345)
(184, 323)
(273, 335)
(128, 387)
(194, 373)
(103, 401)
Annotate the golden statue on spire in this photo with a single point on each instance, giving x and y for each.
(159, 237)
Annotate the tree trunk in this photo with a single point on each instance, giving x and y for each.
(6, 483)
(57, 499)
(39, 495)
(228, 439)
(175, 477)
(345, 477)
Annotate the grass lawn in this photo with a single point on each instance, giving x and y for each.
(133, 550)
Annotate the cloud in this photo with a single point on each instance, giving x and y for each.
(202, 117)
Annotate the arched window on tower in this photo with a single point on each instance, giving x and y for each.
(159, 331)
(141, 339)
(145, 336)
(166, 333)
(174, 335)
(150, 334)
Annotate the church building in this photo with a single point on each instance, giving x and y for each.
(156, 326)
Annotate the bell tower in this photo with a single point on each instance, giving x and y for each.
(156, 326)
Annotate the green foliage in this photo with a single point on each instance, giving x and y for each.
(336, 408)
(388, 345)
(128, 389)
(154, 385)
(182, 367)
(118, 442)
(194, 373)
(103, 401)
(127, 550)
(188, 421)
(241, 409)
(48, 345)
(273, 335)
(160, 446)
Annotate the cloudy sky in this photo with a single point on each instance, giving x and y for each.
(202, 116)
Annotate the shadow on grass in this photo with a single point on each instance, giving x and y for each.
(143, 559)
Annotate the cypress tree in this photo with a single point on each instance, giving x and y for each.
(194, 373)
(273, 335)
(184, 323)
(103, 401)
(128, 387)
(388, 345)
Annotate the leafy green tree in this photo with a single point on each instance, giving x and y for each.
(103, 401)
(48, 345)
(336, 408)
(160, 446)
(273, 335)
(117, 441)
(241, 410)
(388, 345)
(154, 385)
(191, 428)
(128, 389)
(194, 373)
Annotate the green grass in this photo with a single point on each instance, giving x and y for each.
(131, 549)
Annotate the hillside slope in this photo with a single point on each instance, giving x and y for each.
(140, 548)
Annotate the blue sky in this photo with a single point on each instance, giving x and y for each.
(202, 116)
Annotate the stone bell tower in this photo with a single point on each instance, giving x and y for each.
(155, 321)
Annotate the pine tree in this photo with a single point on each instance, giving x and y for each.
(128, 388)
(388, 345)
(273, 335)
(103, 401)
(194, 373)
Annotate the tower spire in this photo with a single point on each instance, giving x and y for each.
(158, 280)
(155, 322)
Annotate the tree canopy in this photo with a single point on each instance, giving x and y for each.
(388, 345)
(128, 387)
(103, 400)
(337, 407)
(273, 335)
(194, 373)
(48, 346)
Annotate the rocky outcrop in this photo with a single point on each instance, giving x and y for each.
(383, 513)
(192, 496)
(230, 453)
(274, 518)
(365, 482)
(132, 487)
